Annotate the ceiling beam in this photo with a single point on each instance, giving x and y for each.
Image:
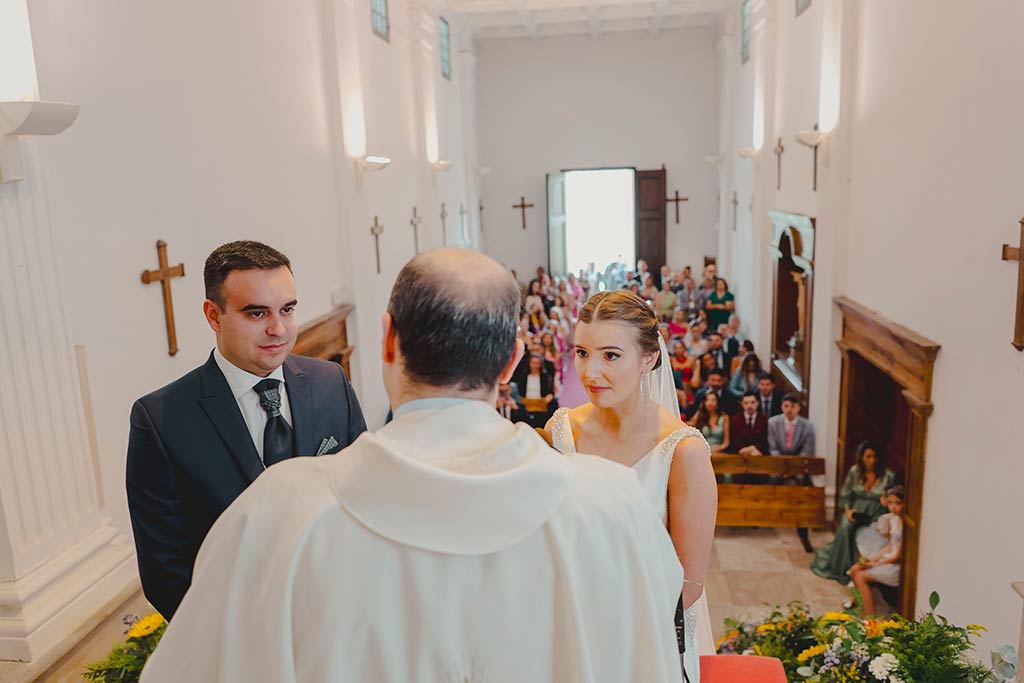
(474, 7)
(529, 25)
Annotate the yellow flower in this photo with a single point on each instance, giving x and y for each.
(726, 638)
(835, 616)
(976, 629)
(146, 625)
(878, 627)
(810, 653)
(765, 628)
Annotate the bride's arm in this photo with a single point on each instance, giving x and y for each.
(692, 509)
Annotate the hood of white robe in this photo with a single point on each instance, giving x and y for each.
(459, 480)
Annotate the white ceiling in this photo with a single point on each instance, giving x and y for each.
(541, 18)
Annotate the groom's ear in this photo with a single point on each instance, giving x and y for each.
(388, 342)
(517, 355)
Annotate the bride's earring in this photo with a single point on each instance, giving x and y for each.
(645, 388)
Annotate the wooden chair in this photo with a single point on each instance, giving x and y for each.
(741, 669)
(770, 505)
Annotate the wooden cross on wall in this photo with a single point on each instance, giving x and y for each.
(444, 227)
(523, 206)
(463, 225)
(779, 149)
(415, 223)
(376, 229)
(481, 215)
(676, 201)
(163, 275)
(1017, 254)
(735, 203)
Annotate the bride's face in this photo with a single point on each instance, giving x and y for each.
(609, 361)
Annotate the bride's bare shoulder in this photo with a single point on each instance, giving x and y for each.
(579, 415)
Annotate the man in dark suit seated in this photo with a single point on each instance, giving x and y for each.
(769, 397)
(198, 442)
(716, 385)
(716, 347)
(748, 429)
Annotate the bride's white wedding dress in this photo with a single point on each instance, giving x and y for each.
(653, 470)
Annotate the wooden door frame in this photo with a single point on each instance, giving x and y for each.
(909, 359)
(801, 231)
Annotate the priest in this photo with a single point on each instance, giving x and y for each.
(451, 545)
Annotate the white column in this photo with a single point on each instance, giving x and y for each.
(423, 42)
(763, 53)
(61, 561)
(729, 63)
(470, 160)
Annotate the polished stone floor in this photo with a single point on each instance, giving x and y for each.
(753, 570)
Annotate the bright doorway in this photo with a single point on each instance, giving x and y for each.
(592, 219)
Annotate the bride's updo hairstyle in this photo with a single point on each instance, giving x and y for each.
(625, 307)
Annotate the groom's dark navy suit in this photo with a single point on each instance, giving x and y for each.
(190, 455)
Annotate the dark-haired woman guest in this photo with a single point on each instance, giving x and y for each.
(861, 501)
(746, 378)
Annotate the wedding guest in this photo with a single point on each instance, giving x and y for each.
(702, 370)
(665, 302)
(687, 298)
(682, 373)
(664, 276)
(534, 297)
(883, 566)
(677, 327)
(734, 327)
(861, 502)
(704, 290)
(720, 304)
(695, 342)
(649, 292)
(791, 434)
(748, 430)
(677, 282)
(769, 396)
(729, 342)
(723, 359)
(747, 377)
(712, 423)
(539, 392)
(715, 385)
(509, 403)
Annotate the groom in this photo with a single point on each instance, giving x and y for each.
(198, 442)
(451, 545)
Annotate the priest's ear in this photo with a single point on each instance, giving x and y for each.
(388, 340)
(517, 355)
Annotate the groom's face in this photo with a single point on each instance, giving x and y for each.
(256, 330)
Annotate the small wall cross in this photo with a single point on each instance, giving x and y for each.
(779, 149)
(1017, 254)
(163, 275)
(376, 230)
(444, 227)
(415, 223)
(676, 201)
(523, 206)
(735, 203)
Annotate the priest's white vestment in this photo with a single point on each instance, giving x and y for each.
(449, 546)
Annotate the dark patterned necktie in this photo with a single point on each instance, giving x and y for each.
(277, 435)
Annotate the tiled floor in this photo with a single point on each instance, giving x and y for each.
(752, 570)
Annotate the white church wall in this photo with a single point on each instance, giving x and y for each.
(194, 130)
(649, 100)
(932, 199)
(739, 271)
(913, 207)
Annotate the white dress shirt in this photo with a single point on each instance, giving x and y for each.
(242, 383)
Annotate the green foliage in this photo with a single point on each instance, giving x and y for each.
(124, 663)
(845, 647)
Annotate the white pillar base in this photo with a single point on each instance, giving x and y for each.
(43, 609)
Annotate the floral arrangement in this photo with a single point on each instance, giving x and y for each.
(842, 647)
(124, 663)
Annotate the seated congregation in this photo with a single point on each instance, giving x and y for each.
(726, 391)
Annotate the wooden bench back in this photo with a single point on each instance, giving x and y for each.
(765, 504)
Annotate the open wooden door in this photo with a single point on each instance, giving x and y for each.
(651, 241)
(557, 256)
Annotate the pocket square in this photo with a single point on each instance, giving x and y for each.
(326, 445)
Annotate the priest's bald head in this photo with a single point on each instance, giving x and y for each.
(450, 328)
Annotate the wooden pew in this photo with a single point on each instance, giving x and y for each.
(770, 505)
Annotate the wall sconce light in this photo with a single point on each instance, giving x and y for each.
(442, 165)
(812, 138)
(28, 117)
(369, 164)
(483, 170)
(748, 152)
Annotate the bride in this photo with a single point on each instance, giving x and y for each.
(633, 418)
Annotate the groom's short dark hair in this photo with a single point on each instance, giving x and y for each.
(455, 313)
(241, 255)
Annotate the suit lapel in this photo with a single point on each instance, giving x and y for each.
(220, 406)
(300, 398)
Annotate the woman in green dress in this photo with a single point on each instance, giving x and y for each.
(720, 305)
(861, 499)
